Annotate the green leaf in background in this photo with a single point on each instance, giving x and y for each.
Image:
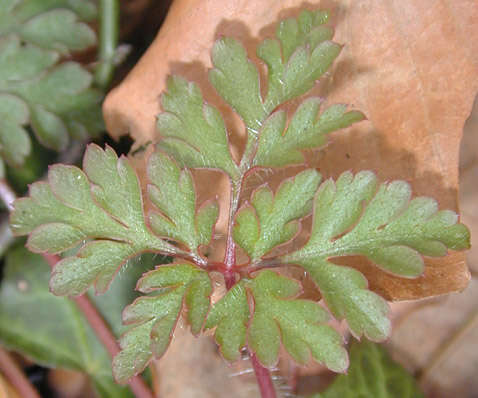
(57, 100)
(277, 148)
(154, 318)
(49, 329)
(231, 316)
(51, 24)
(174, 195)
(372, 374)
(272, 220)
(194, 132)
(104, 204)
(299, 56)
(299, 324)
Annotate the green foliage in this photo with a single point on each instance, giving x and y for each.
(277, 148)
(391, 231)
(277, 316)
(155, 317)
(300, 55)
(300, 324)
(372, 373)
(194, 132)
(174, 195)
(103, 204)
(62, 337)
(102, 210)
(273, 220)
(57, 100)
(231, 316)
(236, 79)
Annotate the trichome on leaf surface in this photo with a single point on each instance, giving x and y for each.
(100, 212)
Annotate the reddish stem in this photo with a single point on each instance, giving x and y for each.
(16, 377)
(264, 379)
(104, 334)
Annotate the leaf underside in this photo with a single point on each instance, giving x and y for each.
(55, 99)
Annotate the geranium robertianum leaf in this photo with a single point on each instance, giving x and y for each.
(231, 316)
(172, 191)
(372, 373)
(300, 55)
(277, 148)
(102, 204)
(271, 220)
(277, 318)
(300, 324)
(193, 132)
(51, 330)
(236, 79)
(57, 100)
(356, 216)
(153, 318)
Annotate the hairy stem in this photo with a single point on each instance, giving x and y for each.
(263, 376)
(15, 376)
(230, 255)
(109, 25)
(104, 334)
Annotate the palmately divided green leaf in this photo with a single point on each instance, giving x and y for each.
(194, 132)
(272, 220)
(154, 317)
(277, 148)
(57, 100)
(231, 316)
(299, 56)
(372, 373)
(300, 324)
(104, 204)
(354, 216)
(172, 191)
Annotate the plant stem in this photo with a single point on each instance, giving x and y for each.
(263, 376)
(104, 334)
(230, 255)
(15, 376)
(109, 25)
(7, 194)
